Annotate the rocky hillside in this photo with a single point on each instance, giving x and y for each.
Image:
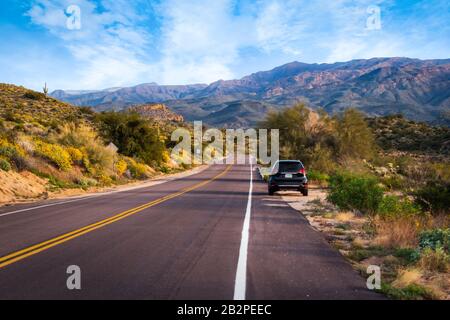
(397, 133)
(419, 89)
(48, 146)
(157, 112)
(118, 98)
(26, 107)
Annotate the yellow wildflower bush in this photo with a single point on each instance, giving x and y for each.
(121, 166)
(137, 170)
(75, 154)
(55, 153)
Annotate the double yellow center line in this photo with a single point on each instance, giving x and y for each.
(32, 250)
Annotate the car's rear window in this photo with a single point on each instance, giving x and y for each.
(289, 166)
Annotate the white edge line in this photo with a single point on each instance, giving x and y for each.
(87, 197)
(241, 273)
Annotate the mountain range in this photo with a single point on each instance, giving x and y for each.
(418, 89)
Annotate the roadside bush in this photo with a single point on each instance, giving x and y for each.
(100, 156)
(74, 135)
(435, 238)
(55, 153)
(434, 260)
(121, 166)
(75, 154)
(355, 137)
(410, 255)
(394, 206)
(87, 182)
(5, 165)
(95, 156)
(398, 232)
(434, 197)
(133, 135)
(14, 154)
(104, 179)
(318, 176)
(137, 170)
(394, 182)
(410, 292)
(355, 192)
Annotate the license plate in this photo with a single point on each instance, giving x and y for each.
(288, 175)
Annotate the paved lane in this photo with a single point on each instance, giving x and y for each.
(186, 247)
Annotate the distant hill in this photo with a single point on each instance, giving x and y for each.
(22, 105)
(157, 112)
(418, 89)
(397, 133)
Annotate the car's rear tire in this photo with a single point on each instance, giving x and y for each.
(305, 192)
(271, 192)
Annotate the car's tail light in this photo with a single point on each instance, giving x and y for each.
(302, 171)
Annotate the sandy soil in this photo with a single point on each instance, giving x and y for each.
(26, 187)
(20, 186)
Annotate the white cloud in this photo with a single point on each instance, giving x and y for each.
(108, 48)
(199, 41)
(177, 41)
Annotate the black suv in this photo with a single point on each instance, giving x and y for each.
(288, 174)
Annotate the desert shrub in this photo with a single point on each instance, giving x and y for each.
(394, 182)
(87, 111)
(355, 192)
(104, 179)
(434, 260)
(133, 135)
(55, 153)
(398, 232)
(95, 155)
(13, 117)
(121, 166)
(74, 135)
(394, 206)
(435, 238)
(442, 170)
(75, 154)
(410, 292)
(355, 138)
(410, 255)
(5, 165)
(318, 176)
(87, 182)
(434, 197)
(14, 153)
(320, 158)
(100, 156)
(137, 170)
(33, 95)
(8, 151)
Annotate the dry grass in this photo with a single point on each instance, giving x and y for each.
(344, 216)
(397, 233)
(407, 277)
(440, 221)
(42, 166)
(434, 260)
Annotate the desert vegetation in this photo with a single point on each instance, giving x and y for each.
(70, 147)
(387, 192)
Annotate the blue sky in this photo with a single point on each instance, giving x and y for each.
(123, 43)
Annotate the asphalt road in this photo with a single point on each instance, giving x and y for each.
(212, 235)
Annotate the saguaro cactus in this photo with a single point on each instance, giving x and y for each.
(45, 89)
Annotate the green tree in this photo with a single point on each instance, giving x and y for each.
(355, 138)
(133, 135)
